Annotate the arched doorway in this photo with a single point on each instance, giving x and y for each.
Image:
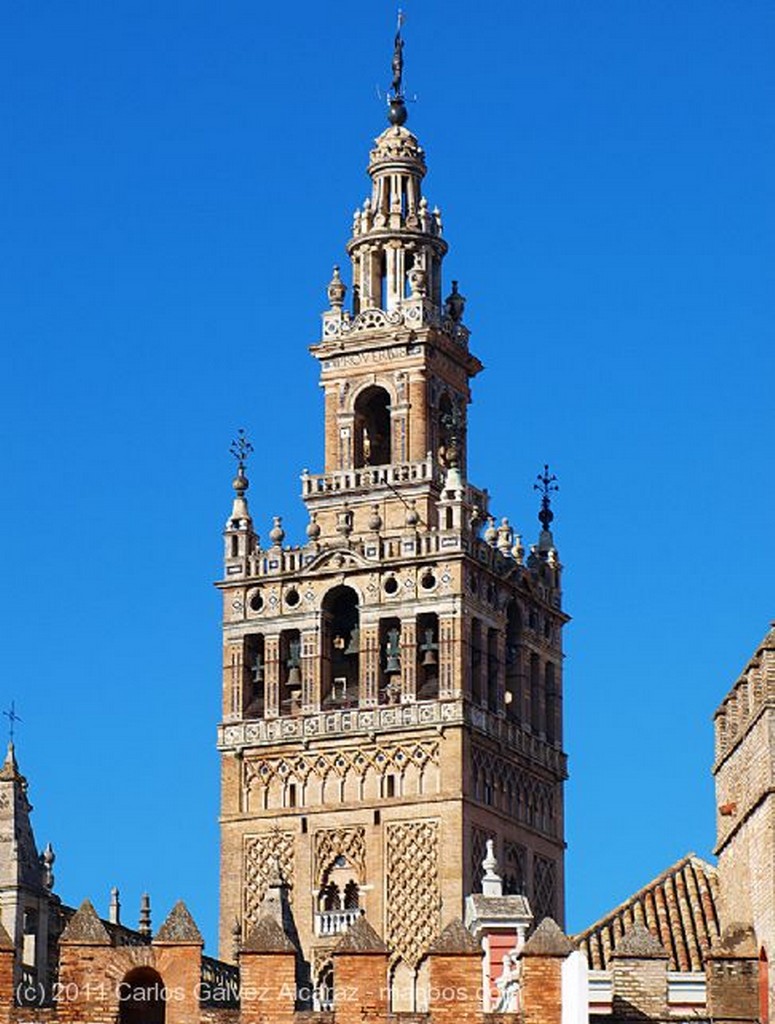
(372, 427)
(142, 997)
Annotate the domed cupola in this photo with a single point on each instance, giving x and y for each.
(396, 246)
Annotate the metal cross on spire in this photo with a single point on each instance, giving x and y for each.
(547, 484)
(13, 718)
(241, 448)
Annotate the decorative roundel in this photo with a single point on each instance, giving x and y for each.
(292, 598)
(256, 601)
(391, 585)
(428, 580)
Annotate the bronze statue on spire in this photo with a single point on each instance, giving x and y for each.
(398, 59)
(397, 112)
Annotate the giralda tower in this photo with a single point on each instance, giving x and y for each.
(392, 688)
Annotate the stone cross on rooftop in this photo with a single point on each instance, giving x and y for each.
(13, 718)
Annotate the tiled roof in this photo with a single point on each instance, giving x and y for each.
(678, 908)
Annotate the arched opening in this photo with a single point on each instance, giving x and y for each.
(324, 989)
(372, 427)
(535, 694)
(764, 987)
(427, 656)
(253, 678)
(476, 661)
(338, 899)
(330, 897)
(513, 693)
(290, 672)
(142, 997)
(552, 703)
(493, 702)
(389, 661)
(351, 897)
(443, 423)
(340, 647)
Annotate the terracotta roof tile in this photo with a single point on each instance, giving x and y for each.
(678, 908)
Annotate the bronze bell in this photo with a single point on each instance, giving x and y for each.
(392, 653)
(429, 648)
(257, 668)
(294, 662)
(354, 646)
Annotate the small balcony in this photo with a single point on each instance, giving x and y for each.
(368, 478)
(335, 922)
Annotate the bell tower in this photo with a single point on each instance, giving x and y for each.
(392, 687)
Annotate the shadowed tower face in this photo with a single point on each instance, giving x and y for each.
(744, 771)
(392, 688)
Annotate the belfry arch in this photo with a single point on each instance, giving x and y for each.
(340, 647)
(372, 427)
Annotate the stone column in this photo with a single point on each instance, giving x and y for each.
(271, 676)
(408, 660)
(418, 426)
(369, 665)
(232, 679)
(310, 669)
(449, 656)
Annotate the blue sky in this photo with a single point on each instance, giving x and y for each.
(178, 179)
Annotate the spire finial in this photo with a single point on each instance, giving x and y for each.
(547, 484)
(144, 925)
(397, 113)
(13, 718)
(492, 883)
(241, 449)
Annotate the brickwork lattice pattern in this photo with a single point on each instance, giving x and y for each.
(413, 897)
(262, 854)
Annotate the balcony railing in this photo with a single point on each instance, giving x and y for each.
(220, 983)
(368, 477)
(334, 922)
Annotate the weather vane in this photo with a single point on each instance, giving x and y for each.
(547, 484)
(241, 448)
(13, 718)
